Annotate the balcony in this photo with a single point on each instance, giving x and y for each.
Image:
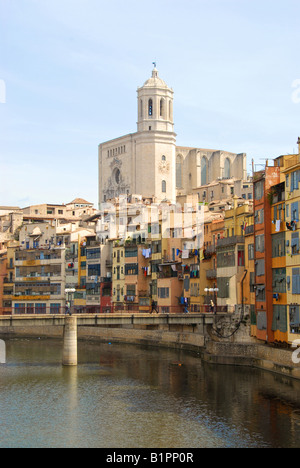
(227, 241)
(249, 230)
(211, 274)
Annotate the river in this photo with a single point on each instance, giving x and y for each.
(125, 396)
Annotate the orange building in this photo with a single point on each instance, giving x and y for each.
(263, 182)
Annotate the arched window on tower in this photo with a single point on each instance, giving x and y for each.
(204, 171)
(164, 186)
(227, 169)
(141, 108)
(170, 110)
(162, 107)
(150, 107)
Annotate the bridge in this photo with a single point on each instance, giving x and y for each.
(71, 323)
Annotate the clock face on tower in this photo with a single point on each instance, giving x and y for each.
(164, 167)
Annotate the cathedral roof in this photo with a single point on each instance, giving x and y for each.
(155, 81)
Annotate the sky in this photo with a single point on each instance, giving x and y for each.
(70, 69)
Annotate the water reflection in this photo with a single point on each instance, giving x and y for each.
(127, 396)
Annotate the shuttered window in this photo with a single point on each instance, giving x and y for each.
(294, 318)
(260, 243)
(261, 320)
(223, 286)
(296, 281)
(279, 318)
(295, 243)
(278, 245)
(279, 280)
(260, 267)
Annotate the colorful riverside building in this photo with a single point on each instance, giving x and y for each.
(291, 172)
(231, 255)
(263, 182)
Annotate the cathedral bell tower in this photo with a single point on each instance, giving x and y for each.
(155, 140)
(155, 105)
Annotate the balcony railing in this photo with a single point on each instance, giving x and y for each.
(233, 240)
(211, 274)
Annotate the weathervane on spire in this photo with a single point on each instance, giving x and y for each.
(154, 63)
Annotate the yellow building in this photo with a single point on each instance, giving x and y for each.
(231, 255)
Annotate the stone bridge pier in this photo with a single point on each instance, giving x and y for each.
(69, 357)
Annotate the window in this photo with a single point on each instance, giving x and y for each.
(162, 107)
(295, 178)
(92, 253)
(54, 308)
(295, 211)
(19, 308)
(186, 283)
(204, 164)
(295, 243)
(259, 216)
(251, 252)
(279, 318)
(262, 320)
(131, 269)
(296, 281)
(131, 290)
(279, 280)
(260, 267)
(164, 186)
(260, 243)
(241, 257)
(40, 308)
(223, 286)
(150, 107)
(279, 212)
(227, 169)
(278, 245)
(259, 190)
(141, 108)
(163, 293)
(131, 252)
(252, 281)
(94, 270)
(30, 309)
(260, 293)
(225, 257)
(294, 318)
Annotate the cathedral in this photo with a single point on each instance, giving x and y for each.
(149, 163)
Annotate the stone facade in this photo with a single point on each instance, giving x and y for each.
(149, 163)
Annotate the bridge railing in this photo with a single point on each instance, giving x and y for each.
(117, 309)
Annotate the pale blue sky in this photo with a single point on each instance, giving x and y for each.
(72, 67)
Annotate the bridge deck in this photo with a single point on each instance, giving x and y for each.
(108, 319)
